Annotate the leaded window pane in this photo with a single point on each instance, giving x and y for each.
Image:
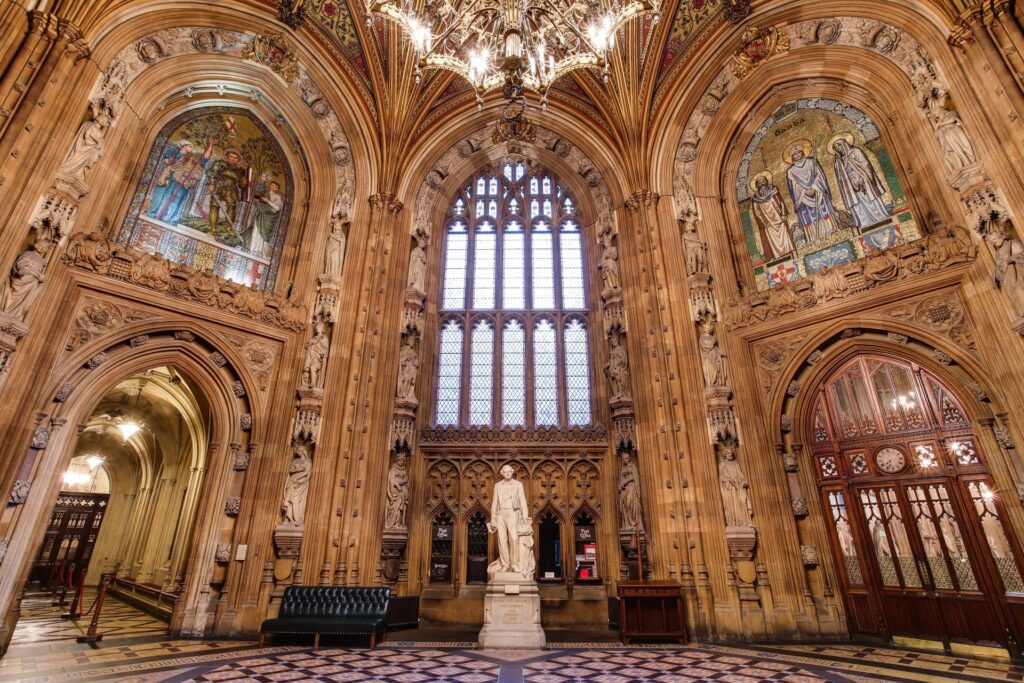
(481, 374)
(577, 374)
(449, 374)
(543, 266)
(545, 374)
(513, 286)
(513, 375)
(572, 267)
(483, 267)
(455, 267)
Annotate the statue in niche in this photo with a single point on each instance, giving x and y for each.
(335, 253)
(88, 145)
(1009, 258)
(609, 265)
(25, 279)
(630, 506)
(408, 365)
(617, 369)
(296, 487)
(957, 150)
(418, 263)
(510, 520)
(711, 357)
(733, 482)
(397, 494)
(694, 247)
(316, 354)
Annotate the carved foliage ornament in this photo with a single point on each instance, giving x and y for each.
(759, 45)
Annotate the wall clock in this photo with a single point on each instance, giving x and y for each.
(890, 460)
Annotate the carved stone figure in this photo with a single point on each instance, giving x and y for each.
(296, 487)
(151, 270)
(316, 354)
(711, 357)
(418, 264)
(335, 254)
(881, 266)
(204, 286)
(609, 265)
(408, 365)
(696, 250)
(509, 513)
(830, 283)
(88, 145)
(630, 505)
(733, 482)
(617, 369)
(957, 151)
(397, 494)
(90, 251)
(1009, 258)
(20, 492)
(24, 281)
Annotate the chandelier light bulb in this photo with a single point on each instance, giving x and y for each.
(420, 36)
(94, 461)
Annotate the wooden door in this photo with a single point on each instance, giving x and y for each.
(918, 529)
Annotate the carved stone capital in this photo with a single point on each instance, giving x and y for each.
(741, 541)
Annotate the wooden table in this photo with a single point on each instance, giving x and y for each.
(651, 609)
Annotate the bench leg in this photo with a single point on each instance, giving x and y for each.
(316, 640)
(263, 638)
(373, 640)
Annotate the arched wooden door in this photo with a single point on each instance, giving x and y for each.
(918, 527)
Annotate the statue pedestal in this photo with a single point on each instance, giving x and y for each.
(512, 613)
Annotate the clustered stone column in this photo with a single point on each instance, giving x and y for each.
(403, 422)
(310, 391)
(632, 532)
(740, 532)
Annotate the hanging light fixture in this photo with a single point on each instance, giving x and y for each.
(512, 44)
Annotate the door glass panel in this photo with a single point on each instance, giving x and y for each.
(940, 533)
(845, 533)
(876, 512)
(983, 498)
(899, 538)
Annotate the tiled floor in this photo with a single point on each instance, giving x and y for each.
(135, 649)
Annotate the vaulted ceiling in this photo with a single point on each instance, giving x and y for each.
(645, 62)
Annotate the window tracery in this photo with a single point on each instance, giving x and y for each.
(514, 348)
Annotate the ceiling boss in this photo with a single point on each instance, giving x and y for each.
(512, 44)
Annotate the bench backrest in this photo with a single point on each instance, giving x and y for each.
(334, 601)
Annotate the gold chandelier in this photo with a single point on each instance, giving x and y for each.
(512, 44)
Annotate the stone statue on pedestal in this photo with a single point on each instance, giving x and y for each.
(512, 600)
(510, 517)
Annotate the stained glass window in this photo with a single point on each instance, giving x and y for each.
(513, 252)
(449, 374)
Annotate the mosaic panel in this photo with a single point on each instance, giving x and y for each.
(215, 194)
(817, 188)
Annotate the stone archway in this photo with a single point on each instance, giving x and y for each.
(76, 388)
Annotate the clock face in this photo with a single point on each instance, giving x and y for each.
(890, 460)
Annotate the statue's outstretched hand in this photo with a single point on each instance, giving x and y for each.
(491, 528)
